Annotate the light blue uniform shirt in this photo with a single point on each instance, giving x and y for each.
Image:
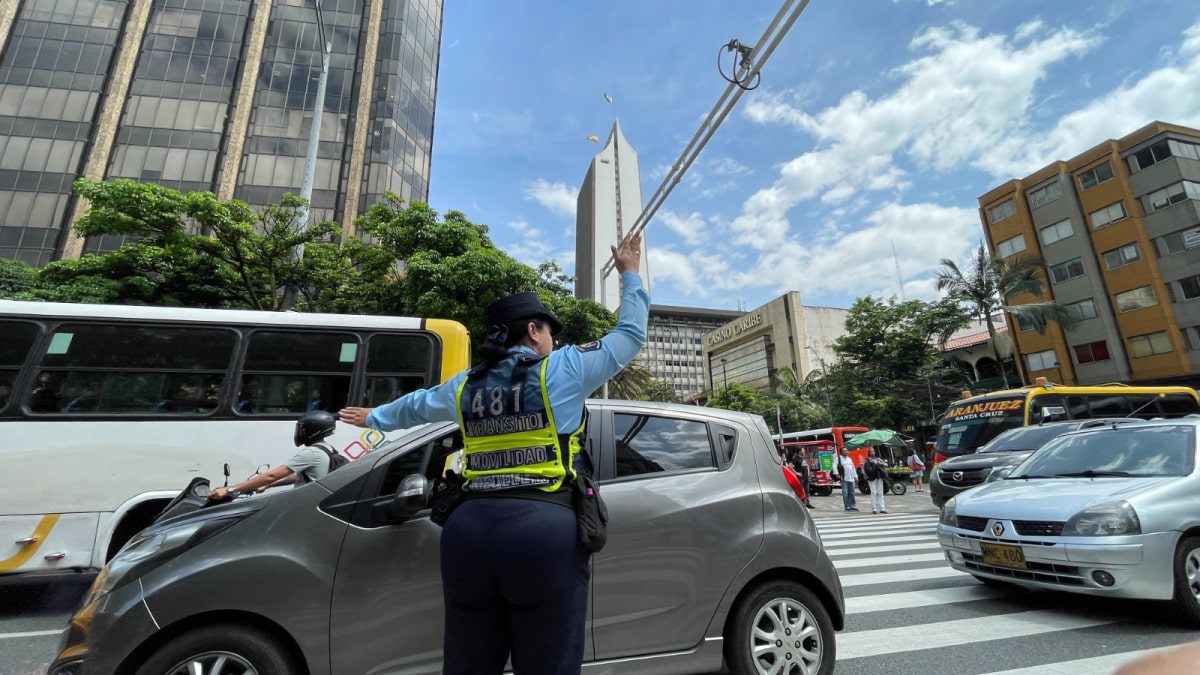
(571, 374)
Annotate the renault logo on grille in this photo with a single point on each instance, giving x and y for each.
(957, 475)
(998, 529)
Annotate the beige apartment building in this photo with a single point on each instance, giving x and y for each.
(1119, 228)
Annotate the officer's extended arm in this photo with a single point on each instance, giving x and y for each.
(436, 404)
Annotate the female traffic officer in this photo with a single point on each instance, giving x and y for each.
(514, 575)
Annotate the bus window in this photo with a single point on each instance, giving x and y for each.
(1142, 405)
(1077, 408)
(1110, 406)
(132, 370)
(396, 365)
(1041, 407)
(296, 372)
(1178, 405)
(14, 349)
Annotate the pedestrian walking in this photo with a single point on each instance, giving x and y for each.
(514, 555)
(874, 470)
(800, 465)
(917, 465)
(849, 477)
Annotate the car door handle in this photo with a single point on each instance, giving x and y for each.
(55, 556)
(27, 541)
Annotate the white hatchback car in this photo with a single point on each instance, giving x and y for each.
(1109, 511)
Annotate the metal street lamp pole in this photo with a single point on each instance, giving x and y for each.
(314, 141)
(724, 375)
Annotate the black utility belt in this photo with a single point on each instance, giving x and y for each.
(582, 495)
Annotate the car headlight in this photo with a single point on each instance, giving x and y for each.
(1113, 519)
(949, 516)
(151, 549)
(999, 472)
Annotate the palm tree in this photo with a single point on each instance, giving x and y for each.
(989, 285)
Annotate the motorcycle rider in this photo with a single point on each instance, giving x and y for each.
(310, 463)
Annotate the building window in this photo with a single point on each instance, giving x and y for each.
(1024, 324)
(1190, 287)
(1095, 176)
(1067, 270)
(1178, 242)
(1108, 215)
(1120, 257)
(1082, 310)
(1191, 337)
(1056, 232)
(1043, 360)
(1012, 246)
(1002, 211)
(1182, 149)
(1044, 195)
(1170, 196)
(1138, 298)
(1149, 345)
(1144, 159)
(1091, 352)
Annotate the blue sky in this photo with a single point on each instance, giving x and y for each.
(878, 122)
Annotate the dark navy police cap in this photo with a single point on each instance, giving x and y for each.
(517, 307)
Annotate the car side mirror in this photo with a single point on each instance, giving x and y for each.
(411, 497)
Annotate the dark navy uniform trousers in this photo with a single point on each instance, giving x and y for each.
(515, 579)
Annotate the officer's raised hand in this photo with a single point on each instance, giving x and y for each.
(629, 257)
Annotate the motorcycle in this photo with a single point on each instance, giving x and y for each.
(195, 497)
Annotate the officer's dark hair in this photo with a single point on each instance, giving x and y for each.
(495, 346)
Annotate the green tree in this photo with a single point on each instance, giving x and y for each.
(991, 283)
(890, 368)
(657, 390)
(17, 279)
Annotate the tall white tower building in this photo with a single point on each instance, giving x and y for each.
(609, 204)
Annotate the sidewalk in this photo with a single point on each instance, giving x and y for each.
(909, 502)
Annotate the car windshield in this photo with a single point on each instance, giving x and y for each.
(1025, 438)
(1134, 451)
(967, 426)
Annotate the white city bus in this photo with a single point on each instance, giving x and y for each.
(107, 411)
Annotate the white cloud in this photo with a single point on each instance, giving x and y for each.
(532, 249)
(862, 260)
(690, 226)
(728, 166)
(696, 273)
(1169, 94)
(558, 197)
(963, 95)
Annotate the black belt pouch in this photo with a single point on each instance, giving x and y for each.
(591, 514)
(447, 495)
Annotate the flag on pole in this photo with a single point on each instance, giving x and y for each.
(608, 98)
(593, 138)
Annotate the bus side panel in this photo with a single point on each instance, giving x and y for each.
(45, 542)
(97, 467)
(456, 346)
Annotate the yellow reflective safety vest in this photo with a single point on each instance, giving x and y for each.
(510, 439)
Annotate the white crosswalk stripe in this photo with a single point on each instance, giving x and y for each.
(905, 608)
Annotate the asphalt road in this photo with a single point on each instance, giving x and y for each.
(33, 613)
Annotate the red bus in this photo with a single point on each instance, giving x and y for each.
(837, 435)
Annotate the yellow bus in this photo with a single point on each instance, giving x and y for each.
(971, 422)
(107, 411)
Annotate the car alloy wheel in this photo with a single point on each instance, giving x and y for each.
(214, 663)
(1187, 580)
(785, 639)
(1191, 571)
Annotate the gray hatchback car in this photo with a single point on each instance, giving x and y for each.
(712, 561)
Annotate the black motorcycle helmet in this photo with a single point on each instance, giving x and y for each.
(313, 426)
